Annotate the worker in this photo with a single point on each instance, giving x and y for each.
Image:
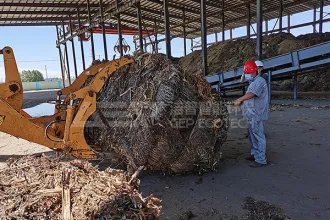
(256, 112)
(260, 66)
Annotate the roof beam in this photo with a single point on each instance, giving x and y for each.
(146, 18)
(50, 19)
(287, 5)
(46, 5)
(217, 5)
(232, 9)
(210, 3)
(191, 10)
(174, 6)
(194, 10)
(31, 24)
(42, 12)
(96, 20)
(152, 20)
(172, 15)
(193, 32)
(228, 8)
(107, 8)
(145, 25)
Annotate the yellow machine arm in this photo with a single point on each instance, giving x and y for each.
(11, 90)
(65, 129)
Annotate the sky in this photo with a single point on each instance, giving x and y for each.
(35, 47)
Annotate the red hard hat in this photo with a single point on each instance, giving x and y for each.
(250, 67)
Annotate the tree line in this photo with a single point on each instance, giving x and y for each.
(31, 76)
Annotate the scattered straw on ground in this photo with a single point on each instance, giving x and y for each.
(30, 188)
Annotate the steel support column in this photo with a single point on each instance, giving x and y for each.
(134, 41)
(223, 26)
(321, 17)
(156, 37)
(61, 58)
(156, 42)
(90, 21)
(248, 24)
(73, 49)
(223, 20)
(295, 87)
(266, 25)
(281, 16)
(231, 34)
(314, 20)
(192, 45)
(184, 32)
(81, 42)
(204, 37)
(167, 29)
(120, 34)
(138, 12)
(103, 32)
(216, 37)
(145, 45)
(289, 23)
(259, 29)
(269, 87)
(66, 56)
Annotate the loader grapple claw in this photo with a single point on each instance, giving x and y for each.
(66, 133)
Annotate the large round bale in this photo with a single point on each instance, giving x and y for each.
(155, 115)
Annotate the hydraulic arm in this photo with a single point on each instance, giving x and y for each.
(64, 130)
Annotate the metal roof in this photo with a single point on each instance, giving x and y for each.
(53, 12)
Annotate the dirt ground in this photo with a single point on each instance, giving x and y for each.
(11, 146)
(297, 179)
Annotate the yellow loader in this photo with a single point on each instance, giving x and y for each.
(64, 130)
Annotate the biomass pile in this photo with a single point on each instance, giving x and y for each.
(154, 115)
(30, 188)
(314, 81)
(225, 56)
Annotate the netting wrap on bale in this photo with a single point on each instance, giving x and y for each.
(30, 188)
(154, 115)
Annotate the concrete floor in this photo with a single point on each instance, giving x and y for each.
(296, 181)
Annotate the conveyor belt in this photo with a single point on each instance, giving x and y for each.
(279, 68)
